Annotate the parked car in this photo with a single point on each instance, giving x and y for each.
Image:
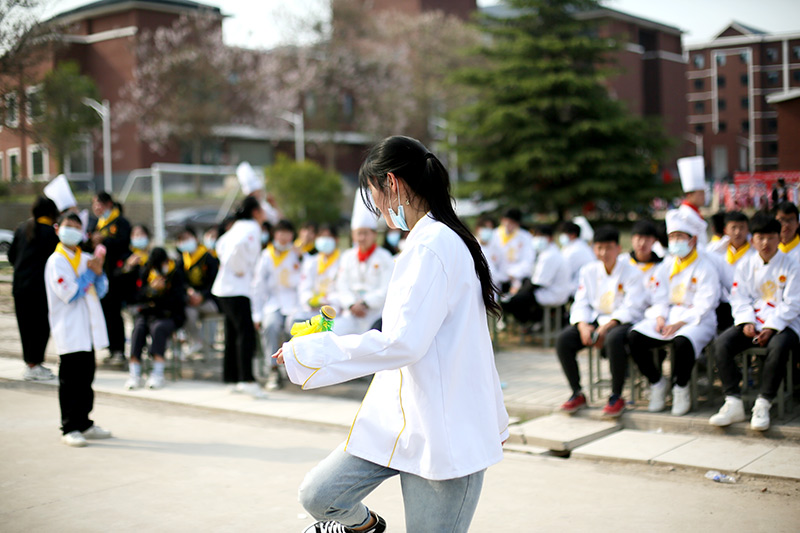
(6, 238)
(200, 218)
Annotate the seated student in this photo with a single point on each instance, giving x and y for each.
(200, 268)
(74, 283)
(787, 215)
(644, 235)
(576, 252)
(484, 232)
(689, 322)
(128, 271)
(306, 238)
(549, 285)
(738, 248)
(210, 240)
(160, 311)
(518, 255)
(318, 275)
(719, 241)
(275, 294)
(609, 299)
(766, 311)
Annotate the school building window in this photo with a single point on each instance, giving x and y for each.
(699, 128)
(772, 148)
(796, 75)
(744, 79)
(720, 81)
(722, 127)
(699, 107)
(12, 110)
(79, 162)
(745, 126)
(772, 54)
(744, 57)
(721, 60)
(699, 84)
(773, 78)
(745, 102)
(699, 61)
(34, 107)
(14, 169)
(38, 161)
(772, 125)
(796, 52)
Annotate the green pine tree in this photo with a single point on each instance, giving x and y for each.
(542, 131)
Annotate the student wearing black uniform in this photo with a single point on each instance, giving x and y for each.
(200, 268)
(113, 231)
(34, 242)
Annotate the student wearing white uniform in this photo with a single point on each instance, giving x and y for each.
(608, 301)
(549, 285)
(74, 283)
(576, 252)
(364, 274)
(719, 241)
(485, 228)
(689, 323)
(238, 250)
(737, 249)
(518, 255)
(434, 413)
(275, 293)
(693, 182)
(318, 275)
(766, 309)
(787, 215)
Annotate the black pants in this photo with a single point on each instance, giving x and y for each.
(569, 344)
(240, 339)
(523, 305)
(724, 316)
(112, 311)
(159, 329)
(75, 394)
(641, 346)
(34, 327)
(733, 341)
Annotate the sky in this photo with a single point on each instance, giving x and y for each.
(268, 23)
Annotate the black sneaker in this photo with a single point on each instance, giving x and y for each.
(332, 526)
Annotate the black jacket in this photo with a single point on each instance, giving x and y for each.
(167, 303)
(202, 274)
(29, 257)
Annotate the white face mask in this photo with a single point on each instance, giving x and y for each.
(680, 248)
(69, 235)
(563, 240)
(209, 242)
(539, 243)
(325, 245)
(485, 234)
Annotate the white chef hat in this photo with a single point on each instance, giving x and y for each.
(362, 217)
(680, 220)
(693, 173)
(248, 178)
(59, 191)
(587, 233)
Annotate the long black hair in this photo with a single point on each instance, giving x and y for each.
(246, 208)
(422, 171)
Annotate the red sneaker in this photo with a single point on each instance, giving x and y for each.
(574, 403)
(614, 409)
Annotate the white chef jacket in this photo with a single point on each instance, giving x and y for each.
(496, 259)
(238, 250)
(576, 254)
(275, 285)
(518, 255)
(694, 296)
(604, 297)
(313, 282)
(365, 281)
(792, 249)
(726, 269)
(552, 276)
(656, 286)
(767, 295)
(718, 245)
(77, 324)
(435, 408)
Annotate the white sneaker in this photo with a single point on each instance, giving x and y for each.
(236, 388)
(658, 396)
(274, 380)
(760, 419)
(74, 438)
(732, 411)
(155, 381)
(96, 432)
(254, 390)
(38, 373)
(117, 359)
(133, 383)
(681, 400)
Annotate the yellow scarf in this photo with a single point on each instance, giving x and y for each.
(277, 258)
(155, 273)
(681, 265)
(306, 248)
(716, 238)
(732, 257)
(189, 260)
(644, 267)
(45, 220)
(74, 261)
(789, 246)
(504, 236)
(326, 262)
(143, 255)
(103, 221)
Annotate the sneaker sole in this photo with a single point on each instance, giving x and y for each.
(571, 411)
(75, 444)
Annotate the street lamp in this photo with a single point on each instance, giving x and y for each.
(296, 120)
(104, 110)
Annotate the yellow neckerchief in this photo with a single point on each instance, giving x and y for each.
(143, 255)
(504, 236)
(306, 248)
(103, 221)
(189, 260)
(326, 261)
(155, 273)
(789, 246)
(681, 265)
(732, 257)
(277, 258)
(644, 267)
(716, 238)
(74, 261)
(45, 220)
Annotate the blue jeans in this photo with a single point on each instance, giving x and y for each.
(334, 489)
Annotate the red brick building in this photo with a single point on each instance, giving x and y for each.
(730, 81)
(787, 105)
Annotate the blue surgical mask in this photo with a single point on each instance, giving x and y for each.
(281, 247)
(325, 245)
(69, 235)
(107, 213)
(209, 242)
(393, 237)
(485, 234)
(188, 246)
(140, 243)
(539, 243)
(264, 237)
(680, 248)
(399, 218)
(563, 240)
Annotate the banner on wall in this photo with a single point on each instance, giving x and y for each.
(755, 190)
